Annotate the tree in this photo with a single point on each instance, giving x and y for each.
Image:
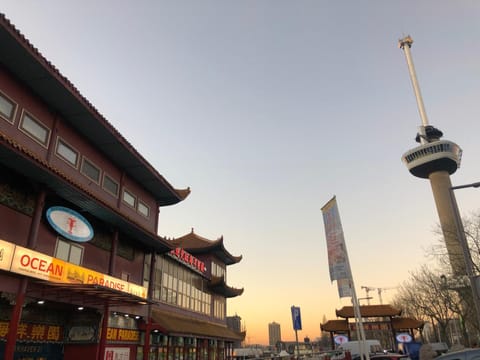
(436, 296)
(426, 298)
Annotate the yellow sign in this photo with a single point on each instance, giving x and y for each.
(115, 334)
(6, 255)
(31, 263)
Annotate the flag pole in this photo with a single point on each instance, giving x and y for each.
(359, 325)
(339, 267)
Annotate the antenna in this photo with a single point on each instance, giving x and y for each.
(406, 44)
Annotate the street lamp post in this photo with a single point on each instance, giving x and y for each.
(464, 244)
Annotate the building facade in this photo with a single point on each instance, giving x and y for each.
(235, 323)
(83, 273)
(274, 334)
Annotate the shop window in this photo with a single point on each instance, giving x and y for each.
(67, 153)
(143, 209)
(129, 198)
(34, 129)
(90, 170)
(69, 252)
(7, 108)
(110, 185)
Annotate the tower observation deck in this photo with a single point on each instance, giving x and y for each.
(436, 160)
(434, 155)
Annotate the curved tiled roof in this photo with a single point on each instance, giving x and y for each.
(406, 323)
(369, 311)
(26, 63)
(335, 325)
(187, 326)
(398, 324)
(196, 244)
(218, 285)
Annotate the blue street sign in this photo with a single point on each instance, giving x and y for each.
(296, 318)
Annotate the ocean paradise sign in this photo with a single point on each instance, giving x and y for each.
(70, 224)
(20, 260)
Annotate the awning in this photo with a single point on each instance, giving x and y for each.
(83, 294)
(186, 326)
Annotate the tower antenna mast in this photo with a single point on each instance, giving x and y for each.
(405, 44)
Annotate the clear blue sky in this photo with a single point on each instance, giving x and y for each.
(267, 109)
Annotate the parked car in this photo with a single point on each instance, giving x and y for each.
(390, 356)
(465, 354)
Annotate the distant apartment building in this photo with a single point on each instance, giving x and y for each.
(235, 323)
(274, 334)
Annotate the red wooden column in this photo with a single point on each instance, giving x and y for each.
(103, 335)
(148, 320)
(22, 287)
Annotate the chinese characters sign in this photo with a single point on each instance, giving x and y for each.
(34, 332)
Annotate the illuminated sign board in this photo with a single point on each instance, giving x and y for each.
(116, 334)
(188, 259)
(117, 353)
(6, 255)
(70, 224)
(403, 337)
(340, 339)
(40, 266)
(33, 332)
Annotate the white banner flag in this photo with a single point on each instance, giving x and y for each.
(338, 263)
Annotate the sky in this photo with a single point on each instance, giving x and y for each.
(266, 110)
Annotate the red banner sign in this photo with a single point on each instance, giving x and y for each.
(189, 259)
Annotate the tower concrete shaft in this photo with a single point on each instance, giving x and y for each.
(441, 184)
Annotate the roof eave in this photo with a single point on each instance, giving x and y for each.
(26, 63)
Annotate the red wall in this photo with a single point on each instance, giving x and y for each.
(14, 226)
(80, 352)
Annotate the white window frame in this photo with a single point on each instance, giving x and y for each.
(69, 147)
(141, 204)
(30, 134)
(132, 195)
(70, 245)
(110, 178)
(90, 162)
(14, 111)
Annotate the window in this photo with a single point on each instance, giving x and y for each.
(143, 209)
(7, 108)
(69, 252)
(110, 185)
(218, 270)
(129, 198)
(90, 170)
(35, 129)
(219, 308)
(67, 153)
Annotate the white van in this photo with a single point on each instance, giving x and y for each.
(372, 346)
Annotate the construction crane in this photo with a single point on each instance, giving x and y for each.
(367, 292)
(380, 290)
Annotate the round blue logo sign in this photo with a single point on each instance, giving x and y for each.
(70, 224)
